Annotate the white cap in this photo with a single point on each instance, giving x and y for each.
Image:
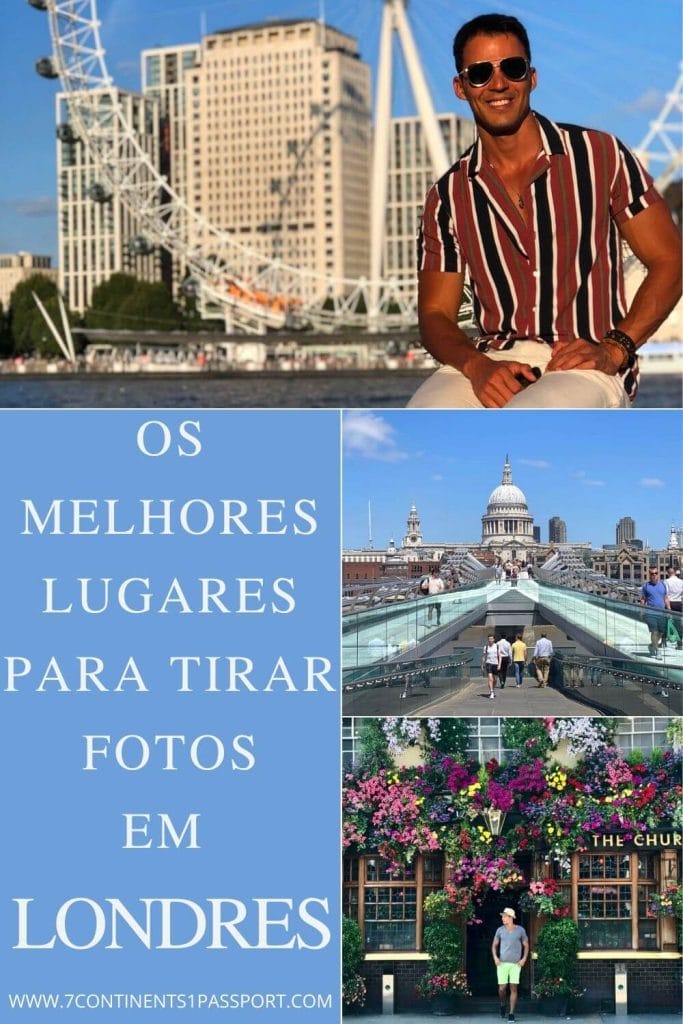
(509, 911)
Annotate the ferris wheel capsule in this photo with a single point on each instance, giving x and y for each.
(65, 133)
(40, 5)
(190, 287)
(46, 68)
(98, 193)
(140, 246)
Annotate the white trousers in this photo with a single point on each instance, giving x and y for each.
(448, 388)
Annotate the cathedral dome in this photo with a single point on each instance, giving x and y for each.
(507, 495)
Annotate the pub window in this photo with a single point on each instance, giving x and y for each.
(612, 891)
(386, 904)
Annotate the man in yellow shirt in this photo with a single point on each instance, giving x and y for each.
(519, 652)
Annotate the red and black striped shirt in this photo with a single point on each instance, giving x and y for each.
(557, 276)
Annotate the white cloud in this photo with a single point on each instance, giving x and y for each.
(535, 463)
(652, 481)
(649, 102)
(437, 477)
(371, 437)
(584, 479)
(31, 206)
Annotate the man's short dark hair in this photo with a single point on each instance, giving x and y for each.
(488, 25)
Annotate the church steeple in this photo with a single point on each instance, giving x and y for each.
(413, 537)
(507, 472)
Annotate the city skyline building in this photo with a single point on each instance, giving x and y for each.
(163, 75)
(410, 175)
(16, 267)
(279, 150)
(98, 235)
(508, 533)
(557, 530)
(625, 530)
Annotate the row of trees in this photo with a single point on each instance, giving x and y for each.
(121, 303)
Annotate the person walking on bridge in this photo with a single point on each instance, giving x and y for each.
(505, 651)
(490, 663)
(436, 588)
(654, 598)
(543, 652)
(519, 653)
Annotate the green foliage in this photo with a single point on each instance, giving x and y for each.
(443, 942)
(674, 733)
(352, 948)
(30, 333)
(454, 736)
(557, 949)
(372, 746)
(527, 736)
(107, 299)
(353, 985)
(150, 308)
(442, 937)
(437, 906)
(124, 303)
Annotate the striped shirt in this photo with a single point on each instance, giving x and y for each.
(558, 276)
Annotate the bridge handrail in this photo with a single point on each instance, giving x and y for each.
(392, 673)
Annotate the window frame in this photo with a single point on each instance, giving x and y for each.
(422, 885)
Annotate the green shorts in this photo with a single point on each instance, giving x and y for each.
(508, 973)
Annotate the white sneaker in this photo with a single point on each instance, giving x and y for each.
(491, 696)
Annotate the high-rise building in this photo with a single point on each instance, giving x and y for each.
(97, 234)
(164, 75)
(410, 176)
(626, 530)
(279, 151)
(15, 267)
(537, 534)
(557, 530)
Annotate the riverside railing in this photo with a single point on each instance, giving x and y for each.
(390, 632)
(618, 685)
(407, 673)
(643, 634)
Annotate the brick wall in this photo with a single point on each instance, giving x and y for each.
(406, 974)
(652, 984)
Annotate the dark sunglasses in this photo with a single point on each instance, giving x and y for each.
(515, 69)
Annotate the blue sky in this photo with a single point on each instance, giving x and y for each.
(590, 468)
(595, 66)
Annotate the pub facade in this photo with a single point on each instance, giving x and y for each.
(604, 839)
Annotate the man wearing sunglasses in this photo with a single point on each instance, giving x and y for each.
(534, 214)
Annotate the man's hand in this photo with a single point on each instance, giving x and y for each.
(584, 355)
(495, 382)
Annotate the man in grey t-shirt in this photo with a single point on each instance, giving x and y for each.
(510, 949)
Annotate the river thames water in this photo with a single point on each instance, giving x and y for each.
(324, 390)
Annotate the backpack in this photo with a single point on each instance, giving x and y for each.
(424, 585)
